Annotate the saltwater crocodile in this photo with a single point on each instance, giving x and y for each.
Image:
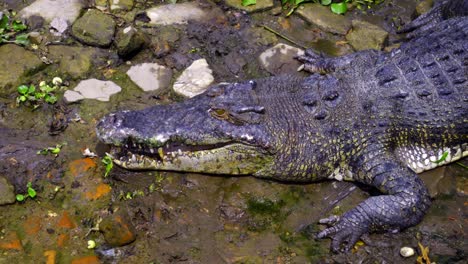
(377, 118)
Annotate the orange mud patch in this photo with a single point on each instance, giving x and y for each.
(81, 166)
(65, 221)
(62, 239)
(127, 236)
(86, 260)
(101, 190)
(11, 241)
(50, 256)
(32, 225)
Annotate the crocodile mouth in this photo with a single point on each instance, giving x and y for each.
(218, 158)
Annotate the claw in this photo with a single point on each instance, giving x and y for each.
(330, 220)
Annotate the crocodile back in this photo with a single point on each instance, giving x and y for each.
(423, 90)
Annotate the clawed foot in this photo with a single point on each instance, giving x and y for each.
(315, 63)
(343, 231)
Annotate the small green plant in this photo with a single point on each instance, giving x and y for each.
(107, 160)
(50, 150)
(45, 94)
(30, 193)
(9, 29)
(338, 7)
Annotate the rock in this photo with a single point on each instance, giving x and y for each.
(177, 14)
(92, 89)
(7, 192)
(59, 26)
(322, 17)
(74, 61)
(121, 5)
(194, 80)
(15, 63)
(68, 10)
(280, 59)
(94, 28)
(406, 252)
(261, 5)
(365, 35)
(117, 230)
(424, 6)
(150, 76)
(129, 41)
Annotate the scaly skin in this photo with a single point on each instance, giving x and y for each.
(376, 118)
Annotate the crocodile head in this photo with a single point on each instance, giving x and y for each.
(229, 129)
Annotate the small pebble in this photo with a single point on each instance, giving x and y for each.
(406, 252)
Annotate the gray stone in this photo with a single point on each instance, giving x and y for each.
(195, 79)
(15, 63)
(7, 192)
(121, 5)
(150, 76)
(365, 35)
(129, 41)
(68, 10)
(322, 17)
(261, 5)
(94, 28)
(92, 89)
(280, 59)
(178, 14)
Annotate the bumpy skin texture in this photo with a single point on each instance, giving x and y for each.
(376, 118)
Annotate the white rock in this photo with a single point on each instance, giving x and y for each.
(68, 10)
(406, 252)
(280, 59)
(72, 96)
(150, 76)
(175, 13)
(195, 79)
(92, 89)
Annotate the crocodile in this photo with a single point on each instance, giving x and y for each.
(376, 118)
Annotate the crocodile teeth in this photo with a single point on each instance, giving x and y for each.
(133, 158)
(161, 152)
(300, 67)
(152, 150)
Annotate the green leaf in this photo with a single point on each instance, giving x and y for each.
(55, 150)
(20, 197)
(298, 2)
(339, 8)
(325, 2)
(51, 99)
(31, 192)
(22, 39)
(107, 160)
(17, 25)
(248, 2)
(31, 89)
(442, 158)
(23, 89)
(3, 22)
(39, 95)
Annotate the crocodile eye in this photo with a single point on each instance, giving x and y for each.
(219, 113)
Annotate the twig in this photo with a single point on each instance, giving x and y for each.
(283, 36)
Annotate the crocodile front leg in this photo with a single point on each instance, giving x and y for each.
(319, 63)
(404, 202)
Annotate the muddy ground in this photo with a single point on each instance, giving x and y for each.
(166, 217)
